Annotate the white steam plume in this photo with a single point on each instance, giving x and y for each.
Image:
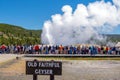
(82, 24)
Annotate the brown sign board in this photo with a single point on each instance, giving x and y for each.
(43, 68)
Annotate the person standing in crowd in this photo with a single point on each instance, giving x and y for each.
(46, 49)
(119, 50)
(114, 50)
(71, 50)
(78, 50)
(57, 49)
(36, 47)
(3, 48)
(61, 49)
(30, 48)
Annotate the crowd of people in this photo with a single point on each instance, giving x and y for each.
(59, 49)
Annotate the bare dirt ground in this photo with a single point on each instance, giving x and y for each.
(72, 70)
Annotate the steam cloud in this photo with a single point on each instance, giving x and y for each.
(82, 24)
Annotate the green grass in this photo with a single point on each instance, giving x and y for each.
(62, 58)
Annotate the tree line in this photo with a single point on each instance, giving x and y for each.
(10, 34)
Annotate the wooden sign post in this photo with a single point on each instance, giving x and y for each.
(43, 68)
(51, 77)
(34, 77)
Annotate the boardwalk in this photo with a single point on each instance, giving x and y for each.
(70, 55)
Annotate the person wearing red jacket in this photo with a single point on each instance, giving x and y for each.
(36, 49)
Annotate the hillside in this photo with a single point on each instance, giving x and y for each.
(11, 34)
(113, 37)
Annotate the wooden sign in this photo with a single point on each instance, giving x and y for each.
(43, 67)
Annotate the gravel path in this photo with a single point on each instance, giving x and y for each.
(8, 57)
(72, 70)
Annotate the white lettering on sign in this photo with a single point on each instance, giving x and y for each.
(40, 71)
(47, 64)
(32, 64)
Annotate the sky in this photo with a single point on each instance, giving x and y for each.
(31, 14)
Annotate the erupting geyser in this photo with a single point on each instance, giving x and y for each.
(83, 24)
